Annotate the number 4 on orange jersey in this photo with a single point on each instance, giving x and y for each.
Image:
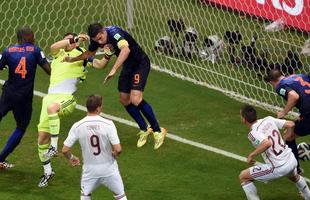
(21, 68)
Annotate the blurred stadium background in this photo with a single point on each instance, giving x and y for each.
(182, 98)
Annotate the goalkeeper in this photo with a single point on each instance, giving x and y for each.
(133, 77)
(60, 100)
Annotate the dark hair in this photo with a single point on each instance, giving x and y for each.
(93, 102)
(94, 29)
(25, 35)
(70, 33)
(273, 75)
(249, 113)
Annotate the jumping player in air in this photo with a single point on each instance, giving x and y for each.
(132, 80)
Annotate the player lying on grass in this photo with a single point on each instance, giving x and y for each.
(279, 160)
(132, 79)
(100, 147)
(17, 93)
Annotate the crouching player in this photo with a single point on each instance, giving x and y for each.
(279, 159)
(100, 147)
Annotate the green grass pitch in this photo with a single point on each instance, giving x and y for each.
(176, 171)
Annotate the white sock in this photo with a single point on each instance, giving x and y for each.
(47, 169)
(250, 191)
(121, 197)
(54, 141)
(85, 197)
(303, 187)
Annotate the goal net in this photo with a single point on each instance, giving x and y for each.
(49, 20)
(226, 45)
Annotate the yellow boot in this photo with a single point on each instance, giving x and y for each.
(159, 138)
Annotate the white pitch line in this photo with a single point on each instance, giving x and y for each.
(169, 135)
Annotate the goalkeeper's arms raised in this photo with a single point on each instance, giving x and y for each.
(71, 40)
(84, 56)
(58, 45)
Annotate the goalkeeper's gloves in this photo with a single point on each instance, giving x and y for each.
(80, 38)
(108, 51)
(74, 40)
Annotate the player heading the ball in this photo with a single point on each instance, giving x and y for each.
(132, 79)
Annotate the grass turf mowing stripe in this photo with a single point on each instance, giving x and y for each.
(169, 135)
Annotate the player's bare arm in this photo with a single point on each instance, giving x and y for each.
(289, 134)
(85, 55)
(265, 144)
(72, 159)
(59, 45)
(67, 41)
(291, 102)
(100, 63)
(117, 149)
(119, 61)
(47, 68)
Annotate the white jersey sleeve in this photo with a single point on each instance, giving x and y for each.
(256, 138)
(112, 135)
(72, 137)
(279, 122)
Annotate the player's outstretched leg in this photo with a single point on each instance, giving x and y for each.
(120, 197)
(247, 185)
(144, 130)
(43, 146)
(54, 127)
(54, 124)
(46, 163)
(5, 165)
(45, 178)
(11, 144)
(159, 133)
(292, 144)
(143, 135)
(134, 112)
(85, 197)
(250, 191)
(301, 185)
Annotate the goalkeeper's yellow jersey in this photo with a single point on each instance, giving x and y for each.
(60, 71)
